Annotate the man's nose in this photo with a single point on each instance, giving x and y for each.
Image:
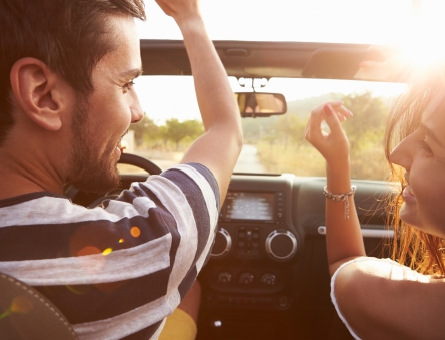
(136, 110)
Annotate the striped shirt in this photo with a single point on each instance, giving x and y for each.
(118, 271)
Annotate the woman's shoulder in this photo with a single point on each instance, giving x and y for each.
(381, 295)
(369, 268)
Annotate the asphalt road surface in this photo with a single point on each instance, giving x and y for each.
(248, 161)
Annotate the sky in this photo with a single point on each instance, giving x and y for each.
(365, 21)
(384, 22)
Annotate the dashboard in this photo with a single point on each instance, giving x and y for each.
(268, 274)
(267, 277)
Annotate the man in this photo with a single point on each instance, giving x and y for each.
(66, 99)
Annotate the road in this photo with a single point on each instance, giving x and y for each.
(248, 161)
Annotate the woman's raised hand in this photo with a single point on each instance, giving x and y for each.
(334, 146)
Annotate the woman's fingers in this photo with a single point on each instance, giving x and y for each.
(344, 111)
(333, 118)
(313, 129)
(333, 113)
(314, 133)
(332, 145)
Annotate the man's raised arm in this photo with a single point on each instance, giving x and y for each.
(219, 147)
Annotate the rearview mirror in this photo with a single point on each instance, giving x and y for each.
(255, 104)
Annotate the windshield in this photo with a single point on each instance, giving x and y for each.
(272, 145)
(276, 144)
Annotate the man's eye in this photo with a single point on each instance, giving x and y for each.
(128, 86)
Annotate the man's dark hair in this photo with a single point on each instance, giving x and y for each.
(67, 35)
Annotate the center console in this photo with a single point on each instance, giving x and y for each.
(251, 224)
(254, 250)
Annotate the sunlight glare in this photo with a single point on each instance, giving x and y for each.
(422, 46)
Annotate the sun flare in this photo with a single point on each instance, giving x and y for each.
(422, 46)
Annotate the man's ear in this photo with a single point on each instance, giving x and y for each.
(40, 93)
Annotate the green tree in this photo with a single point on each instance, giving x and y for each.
(368, 124)
(175, 131)
(146, 129)
(193, 128)
(365, 132)
(287, 129)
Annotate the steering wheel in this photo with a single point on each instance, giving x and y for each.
(143, 163)
(128, 158)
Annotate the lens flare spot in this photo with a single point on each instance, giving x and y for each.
(121, 240)
(79, 289)
(88, 264)
(110, 286)
(107, 251)
(135, 232)
(21, 304)
(88, 250)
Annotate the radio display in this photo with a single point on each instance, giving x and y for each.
(249, 206)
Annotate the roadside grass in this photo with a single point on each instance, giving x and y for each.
(305, 160)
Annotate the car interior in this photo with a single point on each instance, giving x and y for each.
(268, 277)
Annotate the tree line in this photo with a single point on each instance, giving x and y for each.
(280, 140)
(173, 135)
(282, 146)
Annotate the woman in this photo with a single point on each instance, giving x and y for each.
(381, 298)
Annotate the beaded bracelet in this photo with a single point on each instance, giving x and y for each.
(342, 197)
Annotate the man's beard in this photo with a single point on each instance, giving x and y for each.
(89, 171)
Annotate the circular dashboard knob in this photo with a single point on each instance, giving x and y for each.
(246, 278)
(224, 277)
(222, 245)
(281, 244)
(268, 279)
